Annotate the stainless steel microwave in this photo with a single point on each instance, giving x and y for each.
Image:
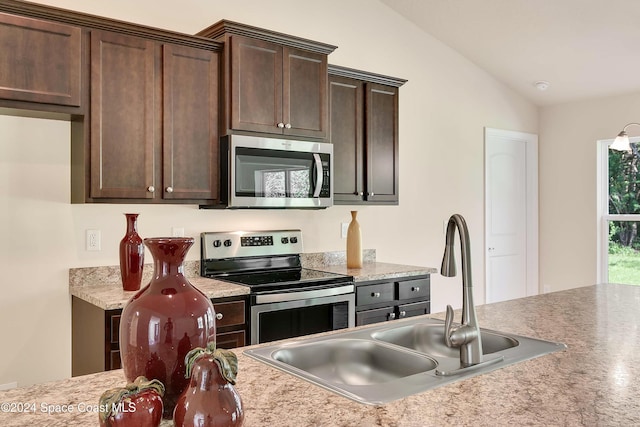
(260, 172)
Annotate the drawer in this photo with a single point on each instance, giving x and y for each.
(229, 313)
(377, 315)
(410, 289)
(374, 294)
(414, 309)
(115, 329)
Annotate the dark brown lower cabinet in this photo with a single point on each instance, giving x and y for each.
(383, 301)
(95, 334)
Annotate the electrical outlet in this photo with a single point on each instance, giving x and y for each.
(177, 231)
(93, 240)
(344, 228)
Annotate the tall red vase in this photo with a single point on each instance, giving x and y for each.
(164, 321)
(131, 255)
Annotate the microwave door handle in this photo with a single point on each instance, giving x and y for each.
(319, 175)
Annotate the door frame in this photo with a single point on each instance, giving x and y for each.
(531, 144)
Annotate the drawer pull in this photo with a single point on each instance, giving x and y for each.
(219, 316)
(392, 316)
(403, 314)
(375, 294)
(415, 289)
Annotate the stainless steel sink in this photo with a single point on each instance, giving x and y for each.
(429, 338)
(378, 364)
(353, 361)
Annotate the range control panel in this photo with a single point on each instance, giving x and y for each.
(233, 244)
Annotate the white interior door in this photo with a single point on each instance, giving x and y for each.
(510, 215)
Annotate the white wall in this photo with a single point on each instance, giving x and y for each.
(443, 110)
(568, 210)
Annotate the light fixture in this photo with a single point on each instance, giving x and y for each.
(542, 85)
(621, 142)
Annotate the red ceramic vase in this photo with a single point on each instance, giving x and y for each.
(209, 400)
(131, 255)
(164, 321)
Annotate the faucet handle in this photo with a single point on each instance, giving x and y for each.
(448, 326)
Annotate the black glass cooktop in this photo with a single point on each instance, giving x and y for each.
(286, 279)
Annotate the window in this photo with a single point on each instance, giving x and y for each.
(619, 205)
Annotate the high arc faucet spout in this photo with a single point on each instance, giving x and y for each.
(467, 335)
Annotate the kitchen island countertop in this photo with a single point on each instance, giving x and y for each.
(593, 382)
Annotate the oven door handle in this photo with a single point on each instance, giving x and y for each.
(319, 174)
(303, 295)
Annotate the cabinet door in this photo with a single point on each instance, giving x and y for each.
(382, 143)
(256, 85)
(122, 116)
(304, 97)
(40, 61)
(190, 123)
(345, 133)
(229, 340)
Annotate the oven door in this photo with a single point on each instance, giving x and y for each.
(274, 173)
(292, 314)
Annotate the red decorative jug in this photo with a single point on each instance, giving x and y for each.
(131, 255)
(164, 321)
(210, 400)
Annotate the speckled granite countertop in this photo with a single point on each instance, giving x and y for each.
(592, 383)
(335, 262)
(102, 286)
(379, 271)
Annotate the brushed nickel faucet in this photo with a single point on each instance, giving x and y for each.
(467, 335)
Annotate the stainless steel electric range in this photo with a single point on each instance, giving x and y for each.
(286, 300)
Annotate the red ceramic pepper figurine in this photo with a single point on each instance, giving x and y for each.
(210, 399)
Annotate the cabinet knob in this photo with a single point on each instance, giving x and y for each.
(219, 316)
(403, 314)
(151, 189)
(392, 316)
(358, 193)
(371, 194)
(415, 289)
(287, 126)
(169, 189)
(375, 294)
(281, 125)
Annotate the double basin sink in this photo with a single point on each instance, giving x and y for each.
(383, 363)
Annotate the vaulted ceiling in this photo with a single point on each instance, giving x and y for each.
(583, 48)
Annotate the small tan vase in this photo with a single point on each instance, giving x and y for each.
(354, 243)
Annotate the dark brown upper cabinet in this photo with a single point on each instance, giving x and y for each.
(273, 83)
(190, 124)
(153, 122)
(363, 129)
(40, 61)
(123, 116)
